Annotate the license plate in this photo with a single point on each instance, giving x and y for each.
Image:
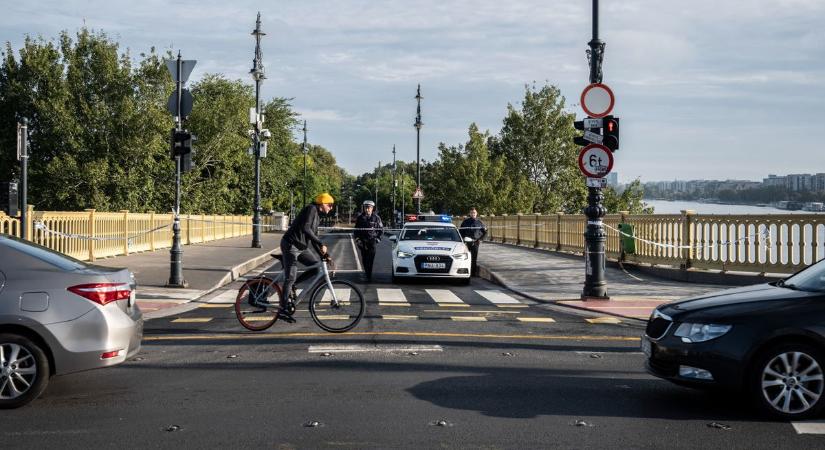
(433, 265)
(647, 348)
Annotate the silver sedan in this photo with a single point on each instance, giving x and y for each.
(59, 315)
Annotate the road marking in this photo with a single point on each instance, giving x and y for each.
(334, 317)
(244, 336)
(224, 297)
(809, 427)
(536, 319)
(446, 297)
(216, 305)
(341, 294)
(474, 311)
(377, 348)
(398, 317)
(469, 318)
(391, 297)
(497, 297)
(193, 320)
(257, 319)
(599, 320)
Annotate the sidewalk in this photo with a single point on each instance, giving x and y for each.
(558, 278)
(206, 267)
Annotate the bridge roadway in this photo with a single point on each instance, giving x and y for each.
(431, 365)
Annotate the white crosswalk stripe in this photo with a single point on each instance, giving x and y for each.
(809, 427)
(341, 294)
(392, 297)
(498, 298)
(228, 296)
(445, 297)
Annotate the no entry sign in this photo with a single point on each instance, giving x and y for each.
(595, 161)
(597, 100)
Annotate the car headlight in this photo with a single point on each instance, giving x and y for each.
(461, 256)
(700, 332)
(404, 254)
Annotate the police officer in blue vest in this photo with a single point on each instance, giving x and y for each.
(368, 231)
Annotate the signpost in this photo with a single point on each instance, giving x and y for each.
(597, 100)
(180, 105)
(595, 161)
(418, 194)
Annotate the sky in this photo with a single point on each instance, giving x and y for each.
(705, 89)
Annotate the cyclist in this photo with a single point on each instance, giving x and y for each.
(295, 244)
(368, 231)
(474, 228)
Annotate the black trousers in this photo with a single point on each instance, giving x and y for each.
(291, 257)
(367, 250)
(473, 247)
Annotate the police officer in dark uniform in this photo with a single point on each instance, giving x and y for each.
(368, 231)
(475, 229)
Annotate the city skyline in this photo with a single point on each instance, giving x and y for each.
(704, 90)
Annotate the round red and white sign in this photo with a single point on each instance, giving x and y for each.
(597, 100)
(595, 161)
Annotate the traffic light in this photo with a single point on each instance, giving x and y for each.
(610, 125)
(181, 143)
(603, 131)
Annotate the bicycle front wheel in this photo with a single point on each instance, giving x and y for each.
(251, 306)
(340, 316)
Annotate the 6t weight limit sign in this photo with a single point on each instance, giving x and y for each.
(595, 161)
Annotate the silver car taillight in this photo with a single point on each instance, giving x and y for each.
(102, 293)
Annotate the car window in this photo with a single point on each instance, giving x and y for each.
(810, 279)
(431, 234)
(43, 254)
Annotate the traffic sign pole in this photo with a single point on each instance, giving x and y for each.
(593, 101)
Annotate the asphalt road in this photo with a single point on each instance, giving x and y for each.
(475, 374)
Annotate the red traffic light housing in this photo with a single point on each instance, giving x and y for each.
(610, 130)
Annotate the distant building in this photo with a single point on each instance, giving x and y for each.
(798, 182)
(773, 180)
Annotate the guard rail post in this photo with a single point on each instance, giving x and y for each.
(29, 223)
(125, 231)
(91, 233)
(558, 231)
(152, 234)
(536, 230)
(687, 238)
(518, 228)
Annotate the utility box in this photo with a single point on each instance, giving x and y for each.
(627, 239)
(8, 198)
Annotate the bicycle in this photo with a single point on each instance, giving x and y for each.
(335, 305)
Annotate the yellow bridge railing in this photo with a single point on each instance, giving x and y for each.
(90, 234)
(773, 243)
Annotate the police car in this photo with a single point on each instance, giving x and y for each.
(430, 246)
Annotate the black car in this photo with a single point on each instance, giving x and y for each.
(766, 340)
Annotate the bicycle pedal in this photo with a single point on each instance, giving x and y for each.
(286, 318)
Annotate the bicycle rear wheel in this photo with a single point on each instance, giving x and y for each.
(341, 317)
(251, 316)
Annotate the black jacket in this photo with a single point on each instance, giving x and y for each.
(304, 229)
(473, 228)
(363, 223)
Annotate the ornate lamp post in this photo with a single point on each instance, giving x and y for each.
(418, 126)
(257, 74)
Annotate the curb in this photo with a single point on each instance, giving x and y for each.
(487, 274)
(231, 275)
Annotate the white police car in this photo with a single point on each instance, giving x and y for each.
(430, 247)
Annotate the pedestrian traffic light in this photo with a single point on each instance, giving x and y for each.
(610, 125)
(181, 143)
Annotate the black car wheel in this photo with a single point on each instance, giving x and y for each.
(24, 371)
(787, 381)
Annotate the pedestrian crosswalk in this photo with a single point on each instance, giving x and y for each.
(460, 305)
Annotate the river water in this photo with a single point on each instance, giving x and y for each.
(674, 207)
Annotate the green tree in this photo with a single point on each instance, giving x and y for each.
(537, 141)
(629, 199)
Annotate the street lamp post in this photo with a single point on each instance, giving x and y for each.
(305, 149)
(377, 174)
(393, 186)
(403, 202)
(257, 73)
(418, 126)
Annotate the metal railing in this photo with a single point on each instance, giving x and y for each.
(774, 243)
(90, 234)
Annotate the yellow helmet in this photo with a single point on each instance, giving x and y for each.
(324, 198)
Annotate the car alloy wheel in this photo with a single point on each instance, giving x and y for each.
(791, 381)
(24, 371)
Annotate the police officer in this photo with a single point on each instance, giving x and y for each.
(474, 228)
(368, 231)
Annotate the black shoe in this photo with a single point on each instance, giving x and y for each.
(284, 315)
